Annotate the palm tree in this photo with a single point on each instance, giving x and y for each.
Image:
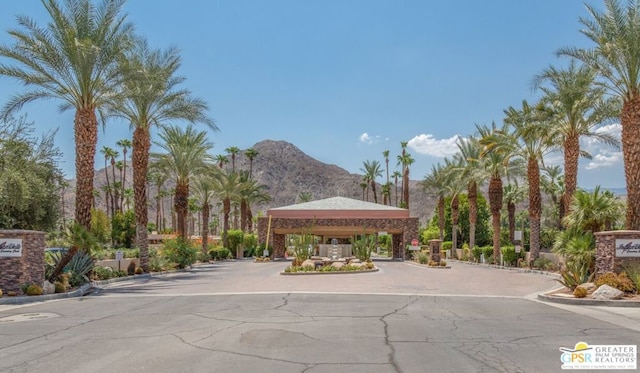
(251, 154)
(469, 157)
(435, 183)
(385, 193)
(594, 211)
(72, 59)
(152, 99)
(578, 106)
(204, 191)
(372, 172)
(250, 192)
(221, 160)
(186, 156)
(552, 183)
(454, 182)
(403, 146)
(226, 189)
(109, 153)
(396, 174)
(233, 151)
(125, 144)
(307, 196)
(533, 139)
(496, 162)
(512, 194)
(366, 180)
(364, 184)
(615, 59)
(406, 160)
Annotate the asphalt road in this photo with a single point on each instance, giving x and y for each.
(246, 317)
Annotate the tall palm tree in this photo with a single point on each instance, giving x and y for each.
(125, 144)
(186, 156)
(233, 151)
(614, 57)
(372, 171)
(496, 162)
(454, 183)
(401, 156)
(512, 195)
(251, 154)
(386, 192)
(108, 153)
(406, 160)
(435, 183)
(72, 59)
(226, 189)
(250, 192)
(533, 139)
(204, 191)
(469, 157)
(152, 99)
(364, 185)
(578, 106)
(396, 174)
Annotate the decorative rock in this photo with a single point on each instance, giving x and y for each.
(606, 292)
(354, 261)
(309, 263)
(590, 287)
(356, 264)
(337, 265)
(48, 288)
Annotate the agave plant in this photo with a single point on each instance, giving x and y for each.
(78, 268)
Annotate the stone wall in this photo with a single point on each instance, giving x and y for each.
(606, 260)
(26, 268)
(408, 227)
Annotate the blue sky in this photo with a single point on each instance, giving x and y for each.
(346, 80)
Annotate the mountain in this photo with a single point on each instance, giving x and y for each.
(286, 171)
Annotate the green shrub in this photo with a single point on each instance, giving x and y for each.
(103, 273)
(544, 264)
(235, 238)
(633, 272)
(202, 257)
(34, 289)
(509, 255)
(476, 252)
(447, 245)
(180, 252)
(250, 241)
(157, 263)
(423, 258)
(219, 253)
(363, 246)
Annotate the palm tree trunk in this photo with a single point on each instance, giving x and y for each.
(535, 207)
(455, 216)
(373, 189)
(630, 119)
(225, 221)
(86, 138)
(441, 216)
(140, 160)
(405, 188)
(107, 192)
(495, 204)
(571, 155)
(472, 194)
(181, 204)
(511, 213)
(243, 215)
(205, 228)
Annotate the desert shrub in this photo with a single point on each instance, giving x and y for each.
(202, 257)
(139, 271)
(302, 245)
(157, 263)
(574, 274)
(443, 263)
(580, 292)
(543, 263)
(59, 287)
(363, 246)
(131, 268)
(423, 258)
(103, 273)
(619, 281)
(180, 252)
(633, 272)
(34, 289)
(219, 253)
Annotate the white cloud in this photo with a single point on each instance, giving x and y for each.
(604, 156)
(429, 145)
(365, 138)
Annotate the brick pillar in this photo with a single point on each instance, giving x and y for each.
(607, 260)
(278, 245)
(21, 259)
(398, 249)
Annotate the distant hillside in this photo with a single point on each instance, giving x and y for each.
(287, 172)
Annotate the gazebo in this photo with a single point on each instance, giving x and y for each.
(337, 217)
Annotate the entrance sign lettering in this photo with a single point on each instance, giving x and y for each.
(629, 248)
(10, 247)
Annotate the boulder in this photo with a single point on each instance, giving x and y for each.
(309, 263)
(352, 261)
(337, 265)
(606, 292)
(48, 288)
(357, 264)
(590, 287)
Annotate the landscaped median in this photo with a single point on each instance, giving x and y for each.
(322, 265)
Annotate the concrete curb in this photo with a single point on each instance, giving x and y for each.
(588, 302)
(329, 273)
(523, 270)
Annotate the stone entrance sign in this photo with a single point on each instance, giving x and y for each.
(21, 258)
(615, 249)
(628, 248)
(10, 247)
